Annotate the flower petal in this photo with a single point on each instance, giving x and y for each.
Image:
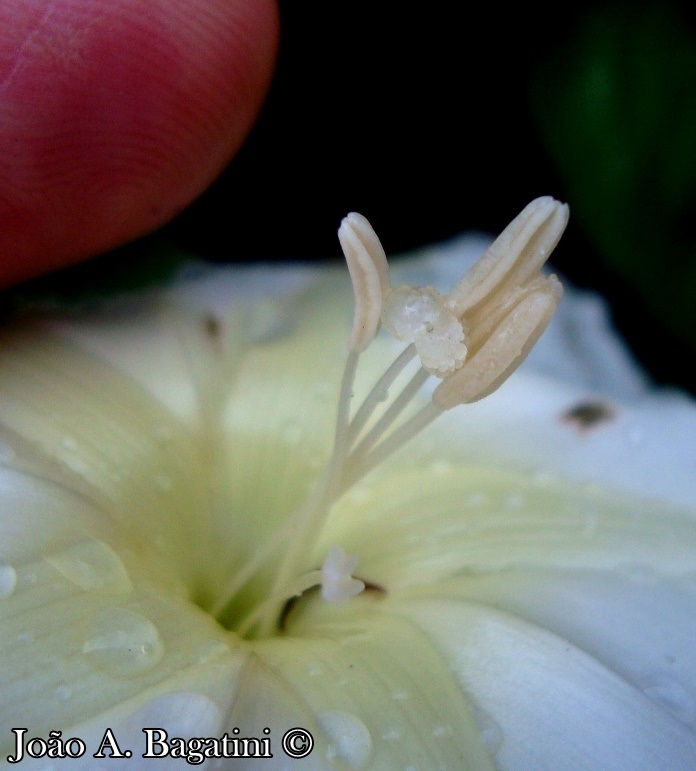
(552, 702)
(431, 524)
(356, 670)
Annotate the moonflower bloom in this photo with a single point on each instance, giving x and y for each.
(212, 518)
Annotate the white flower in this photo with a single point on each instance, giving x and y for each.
(528, 561)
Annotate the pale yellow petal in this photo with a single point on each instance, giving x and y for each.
(381, 694)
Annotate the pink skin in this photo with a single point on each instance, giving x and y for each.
(116, 114)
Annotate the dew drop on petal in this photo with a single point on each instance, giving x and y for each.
(123, 643)
(392, 735)
(514, 501)
(315, 668)
(8, 579)
(26, 579)
(164, 482)
(63, 693)
(400, 695)
(441, 468)
(25, 637)
(490, 732)
(542, 477)
(92, 565)
(68, 443)
(349, 737)
(292, 434)
(477, 500)
(208, 650)
(442, 730)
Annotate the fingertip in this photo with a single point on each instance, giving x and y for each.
(115, 115)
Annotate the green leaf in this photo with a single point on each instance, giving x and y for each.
(615, 107)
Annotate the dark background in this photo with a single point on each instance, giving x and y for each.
(434, 118)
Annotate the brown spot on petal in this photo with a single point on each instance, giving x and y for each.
(587, 416)
(213, 327)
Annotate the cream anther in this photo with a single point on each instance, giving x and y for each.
(514, 257)
(337, 582)
(369, 273)
(504, 348)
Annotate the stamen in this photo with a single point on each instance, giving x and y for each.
(358, 466)
(392, 412)
(472, 340)
(516, 255)
(503, 351)
(369, 274)
(380, 391)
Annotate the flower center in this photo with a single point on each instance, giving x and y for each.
(472, 340)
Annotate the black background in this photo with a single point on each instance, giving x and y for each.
(416, 115)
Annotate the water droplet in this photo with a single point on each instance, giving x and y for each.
(359, 495)
(349, 737)
(8, 579)
(491, 733)
(590, 523)
(392, 735)
(672, 695)
(477, 500)
(209, 650)
(92, 565)
(355, 638)
(164, 482)
(440, 731)
(26, 579)
(441, 468)
(123, 643)
(542, 477)
(292, 434)
(315, 668)
(68, 443)
(515, 501)
(25, 637)
(63, 692)
(400, 695)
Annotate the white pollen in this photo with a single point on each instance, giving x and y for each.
(419, 315)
